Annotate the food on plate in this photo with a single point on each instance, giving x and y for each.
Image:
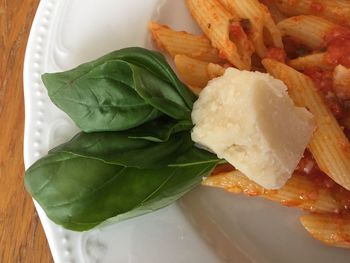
(313, 192)
(331, 229)
(135, 153)
(224, 30)
(248, 119)
(313, 60)
(329, 145)
(310, 31)
(314, 65)
(341, 82)
(257, 22)
(337, 11)
(183, 43)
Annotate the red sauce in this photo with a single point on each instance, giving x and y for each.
(342, 196)
(338, 47)
(277, 53)
(223, 168)
(337, 52)
(324, 82)
(336, 108)
(236, 31)
(308, 167)
(222, 55)
(336, 33)
(322, 79)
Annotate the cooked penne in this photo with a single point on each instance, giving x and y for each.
(276, 14)
(224, 31)
(337, 11)
(174, 42)
(192, 71)
(341, 82)
(196, 73)
(311, 31)
(329, 145)
(331, 229)
(317, 60)
(215, 70)
(258, 21)
(243, 34)
(300, 191)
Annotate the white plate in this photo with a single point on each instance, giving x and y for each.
(207, 225)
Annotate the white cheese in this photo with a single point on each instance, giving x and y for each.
(248, 119)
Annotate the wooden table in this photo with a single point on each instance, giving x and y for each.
(21, 235)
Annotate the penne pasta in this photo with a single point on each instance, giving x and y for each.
(276, 14)
(184, 43)
(337, 11)
(317, 60)
(196, 73)
(243, 34)
(258, 22)
(192, 71)
(299, 191)
(215, 70)
(312, 31)
(223, 30)
(329, 145)
(329, 228)
(341, 82)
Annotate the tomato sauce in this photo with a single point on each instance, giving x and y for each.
(324, 82)
(223, 168)
(308, 167)
(338, 47)
(337, 52)
(322, 79)
(236, 31)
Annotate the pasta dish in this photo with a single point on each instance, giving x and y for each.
(306, 44)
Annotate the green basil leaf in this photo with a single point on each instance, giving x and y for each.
(160, 94)
(79, 193)
(156, 63)
(119, 91)
(118, 148)
(159, 130)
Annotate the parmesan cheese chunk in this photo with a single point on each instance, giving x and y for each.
(248, 119)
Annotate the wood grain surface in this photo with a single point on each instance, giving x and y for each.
(21, 235)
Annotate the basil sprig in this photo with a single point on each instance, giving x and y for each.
(119, 91)
(135, 154)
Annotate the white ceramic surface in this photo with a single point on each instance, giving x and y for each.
(207, 225)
